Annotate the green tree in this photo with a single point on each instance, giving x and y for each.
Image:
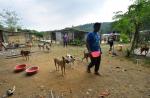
(122, 25)
(136, 16)
(9, 19)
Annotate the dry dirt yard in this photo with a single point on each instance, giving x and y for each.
(121, 77)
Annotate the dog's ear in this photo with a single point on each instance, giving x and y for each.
(63, 57)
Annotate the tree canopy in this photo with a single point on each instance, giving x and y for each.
(9, 19)
(135, 19)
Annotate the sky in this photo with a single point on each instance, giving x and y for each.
(44, 15)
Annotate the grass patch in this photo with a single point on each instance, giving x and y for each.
(146, 63)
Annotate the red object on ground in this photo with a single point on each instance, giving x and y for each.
(32, 70)
(95, 54)
(104, 93)
(20, 67)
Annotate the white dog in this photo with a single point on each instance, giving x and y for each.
(69, 59)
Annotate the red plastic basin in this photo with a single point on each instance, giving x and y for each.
(20, 67)
(31, 70)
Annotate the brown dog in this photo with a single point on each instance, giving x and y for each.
(47, 47)
(29, 44)
(60, 63)
(144, 48)
(86, 55)
(25, 54)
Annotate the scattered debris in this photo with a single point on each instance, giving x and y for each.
(104, 94)
(4, 96)
(140, 70)
(42, 87)
(123, 70)
(117, 67)
(90, 90)
(52, 95)
(87, 94)
(11, 91)
(1, 83)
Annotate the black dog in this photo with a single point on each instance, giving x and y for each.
(25, 54)
(145, 48)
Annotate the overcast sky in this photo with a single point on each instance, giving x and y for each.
(45, 15)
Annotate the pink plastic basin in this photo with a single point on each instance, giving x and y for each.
(31, 70)
(96, 54)
(20, 67)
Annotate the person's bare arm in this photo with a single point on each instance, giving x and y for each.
(87, 46)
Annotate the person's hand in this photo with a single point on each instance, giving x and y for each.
(101, 52)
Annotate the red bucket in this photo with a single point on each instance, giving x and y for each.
(95, 54)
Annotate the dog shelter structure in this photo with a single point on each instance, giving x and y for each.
(143, 40)
(73, 34)
(144, 37)
(9, 36)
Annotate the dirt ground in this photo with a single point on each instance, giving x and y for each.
(121, 77)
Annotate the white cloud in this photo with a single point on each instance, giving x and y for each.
(57, 14)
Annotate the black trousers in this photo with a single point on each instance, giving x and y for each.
(65, 44)
(95, 62)
(111, 43)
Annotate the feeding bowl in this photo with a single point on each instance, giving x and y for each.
(20, 67)
(32, 70)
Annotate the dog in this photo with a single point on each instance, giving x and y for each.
(41, 46)
(69, 59)
(61, 64)
(47, 47)
(86, 55)
(29, 44)
(25, 54)
(144, 48)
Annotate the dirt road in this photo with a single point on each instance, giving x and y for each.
(122, 78)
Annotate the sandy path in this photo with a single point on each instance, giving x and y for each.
(127, 81)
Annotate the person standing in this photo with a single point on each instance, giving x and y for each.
(111, 41)
(65, 40)
(93, 45)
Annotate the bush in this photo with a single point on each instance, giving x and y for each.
(38, 34)
(124, 38)
(77, 42)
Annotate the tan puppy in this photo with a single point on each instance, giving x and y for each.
(29, 44)
(47, 47)
(41, 46)
(61, 64)
(86, 55)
